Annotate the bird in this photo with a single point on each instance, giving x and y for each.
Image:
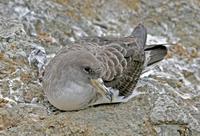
(96, 70)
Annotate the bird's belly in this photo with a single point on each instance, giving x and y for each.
(72, 97)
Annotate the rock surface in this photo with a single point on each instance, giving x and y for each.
(169, 100)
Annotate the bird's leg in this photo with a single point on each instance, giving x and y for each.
(101, 88)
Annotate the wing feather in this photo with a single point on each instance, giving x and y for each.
(122, 59)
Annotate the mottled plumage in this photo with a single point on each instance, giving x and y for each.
(118, 62)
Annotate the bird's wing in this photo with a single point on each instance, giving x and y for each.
(122, 59)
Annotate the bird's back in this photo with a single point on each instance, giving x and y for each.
(123, 58)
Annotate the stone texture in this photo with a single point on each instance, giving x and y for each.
(169, 100)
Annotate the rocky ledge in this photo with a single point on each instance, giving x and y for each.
(168, 103)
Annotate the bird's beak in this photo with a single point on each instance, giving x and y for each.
(98, 84)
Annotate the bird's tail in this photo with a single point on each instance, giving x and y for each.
(154, 53)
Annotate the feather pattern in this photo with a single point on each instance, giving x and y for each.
(122, 59)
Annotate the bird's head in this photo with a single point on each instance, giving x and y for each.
(82, 65)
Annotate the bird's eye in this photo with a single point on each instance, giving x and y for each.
(87, 69)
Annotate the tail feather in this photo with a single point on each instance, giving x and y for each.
(155, 53)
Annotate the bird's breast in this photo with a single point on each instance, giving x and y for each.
(72, 96)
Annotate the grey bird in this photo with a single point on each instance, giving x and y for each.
(98, 70)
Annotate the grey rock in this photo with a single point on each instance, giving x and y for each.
(169, 100)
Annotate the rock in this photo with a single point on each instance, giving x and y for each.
(169, 100)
